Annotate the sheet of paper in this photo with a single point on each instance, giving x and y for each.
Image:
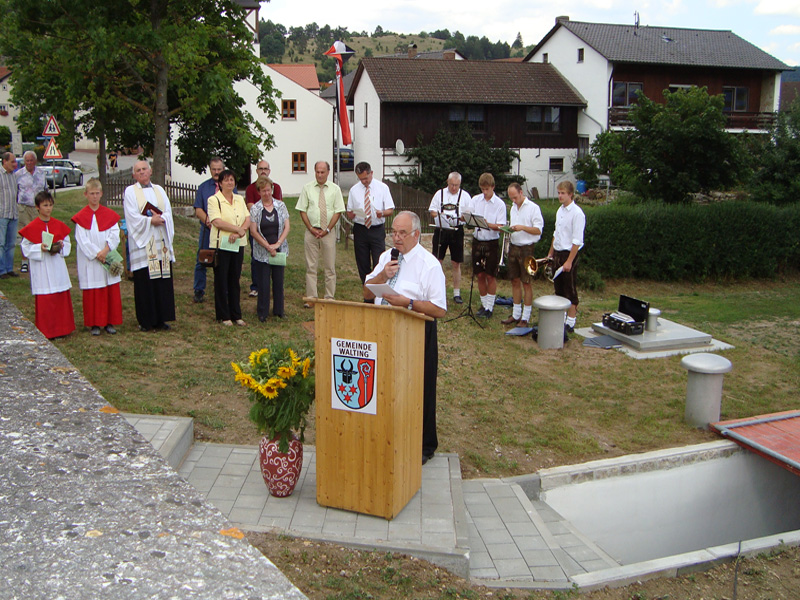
(444, 222)
(47, 240)
(381, 289)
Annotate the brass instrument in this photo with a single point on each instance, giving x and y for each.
(505, 245)
(539, 267)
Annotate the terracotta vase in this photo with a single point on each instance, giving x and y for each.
(281, 470)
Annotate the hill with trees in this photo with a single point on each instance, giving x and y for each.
(306, 45)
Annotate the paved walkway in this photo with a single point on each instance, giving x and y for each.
(487, 530)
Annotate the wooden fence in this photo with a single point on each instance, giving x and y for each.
(408, 198)
(179, 194)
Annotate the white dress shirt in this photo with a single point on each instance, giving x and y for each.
(493, 210)
(570, 224)
(528, 215)
(379, 196)
(420, 276)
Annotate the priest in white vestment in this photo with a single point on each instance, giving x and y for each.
(148, 215)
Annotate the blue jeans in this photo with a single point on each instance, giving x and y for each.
(8, 237)
(200, 270)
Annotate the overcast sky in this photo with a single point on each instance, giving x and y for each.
(773, 25)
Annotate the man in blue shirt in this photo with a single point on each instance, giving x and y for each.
(207, 189)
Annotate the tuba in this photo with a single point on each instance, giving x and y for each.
(539, 267)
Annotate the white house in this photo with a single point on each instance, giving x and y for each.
(609, 64)
(303, 132)
(8, 112)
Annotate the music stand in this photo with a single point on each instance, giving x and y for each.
(471, 220)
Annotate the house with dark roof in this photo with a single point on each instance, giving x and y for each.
(610, 64)
(530, 106)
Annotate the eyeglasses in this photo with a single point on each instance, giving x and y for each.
(263, 169)
(401, 234)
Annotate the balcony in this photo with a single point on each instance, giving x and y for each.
(752, 121)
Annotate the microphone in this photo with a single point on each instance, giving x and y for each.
(395, 253)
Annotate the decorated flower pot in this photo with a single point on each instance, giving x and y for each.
(281, 470)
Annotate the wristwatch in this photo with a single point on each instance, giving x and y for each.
(327, 230)
(410, 305)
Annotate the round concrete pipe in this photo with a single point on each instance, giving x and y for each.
(704, 388)
(652, 319)
(551, 321)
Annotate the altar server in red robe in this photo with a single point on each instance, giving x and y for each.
(97, 235)
(45, 243)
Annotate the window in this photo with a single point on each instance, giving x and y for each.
(366, 113)
(580, 54)
(351, 115)
(4, 108)
(624, 93)
(735, 99)
(556, 164)
(583, 146)
(543, 118)
(289, 109)
(674, 87)
(545, 57)
(298, 162)
(473, 115)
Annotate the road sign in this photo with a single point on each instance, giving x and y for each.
(51, 129)
(52, 150)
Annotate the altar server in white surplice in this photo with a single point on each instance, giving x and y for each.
(97, 236)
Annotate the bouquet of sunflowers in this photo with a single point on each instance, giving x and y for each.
(281, 388)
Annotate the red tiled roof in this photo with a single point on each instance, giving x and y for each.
(4, 72)
(467, 81)
(303, 75)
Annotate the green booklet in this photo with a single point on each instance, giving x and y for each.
(279, 260)
(113, 263)
(225, 243)
(47, 240)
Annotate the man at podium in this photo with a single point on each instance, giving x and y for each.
(418, 280)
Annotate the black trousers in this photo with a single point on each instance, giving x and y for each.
(227, 291)
(368, 245)
(430, 441)
(154, 299)
(268, 276)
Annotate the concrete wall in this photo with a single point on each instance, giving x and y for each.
(661, 511)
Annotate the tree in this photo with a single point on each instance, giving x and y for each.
(776, 177)
(129, 67)
(458, 150)
(518, 42)
(675, 149)
(5, 135)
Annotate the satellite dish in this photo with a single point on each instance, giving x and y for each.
(399, 147)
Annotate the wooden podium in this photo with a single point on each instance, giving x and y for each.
(370, 463)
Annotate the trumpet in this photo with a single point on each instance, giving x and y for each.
(539, 267)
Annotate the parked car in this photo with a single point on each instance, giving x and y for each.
(347, 161)
(63, 172)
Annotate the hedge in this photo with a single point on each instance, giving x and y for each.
(687, 241)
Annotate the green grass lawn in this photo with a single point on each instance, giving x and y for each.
(504, 406)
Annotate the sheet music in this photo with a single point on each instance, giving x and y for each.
(445, 222)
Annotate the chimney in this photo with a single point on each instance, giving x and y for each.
(449, 55)
(561, 19)
(412, 51)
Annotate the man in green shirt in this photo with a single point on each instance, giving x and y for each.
(320, 206)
